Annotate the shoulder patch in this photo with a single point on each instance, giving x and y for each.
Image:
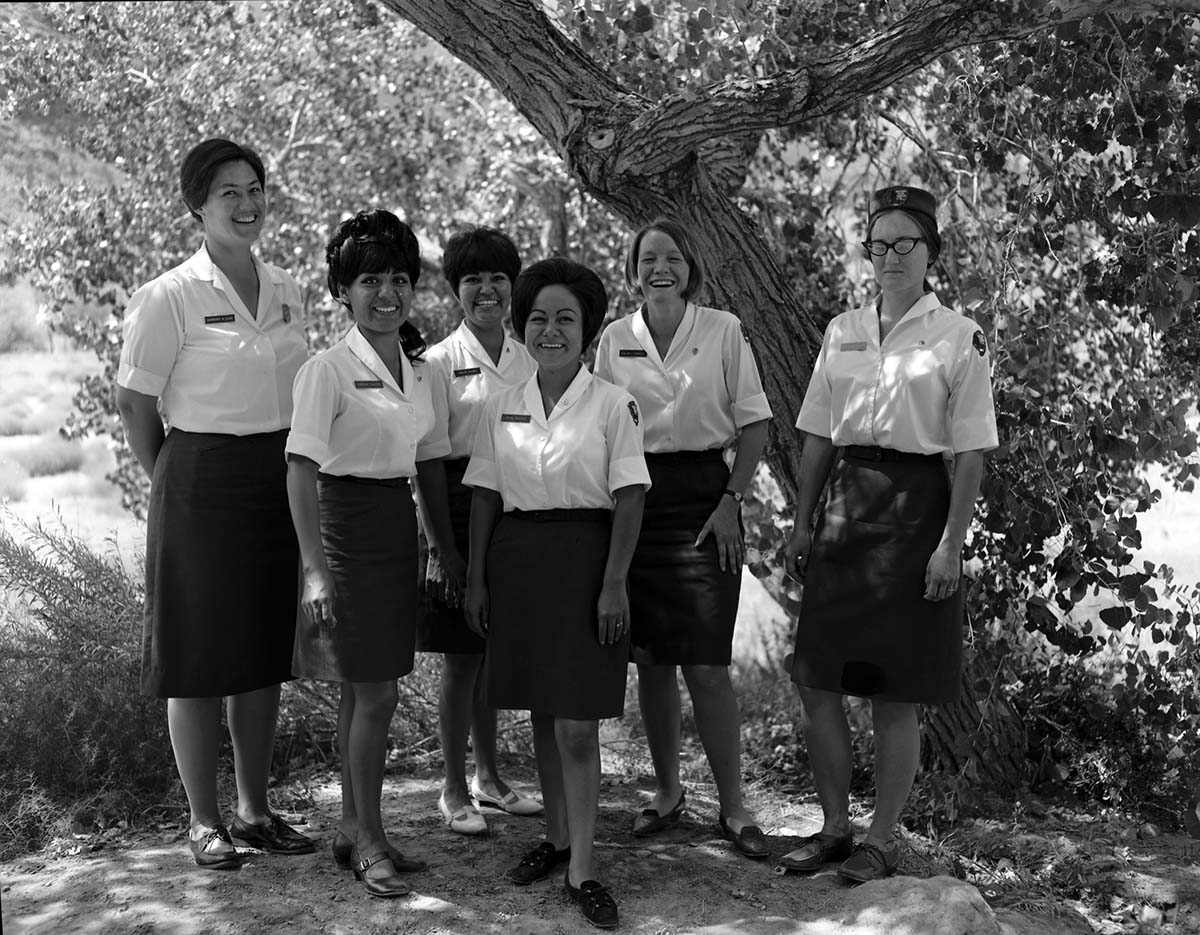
(633, 411)
(979, 342)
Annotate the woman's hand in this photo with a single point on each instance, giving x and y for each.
(612, 609)
(476, 607)
(445, 576)
(795, 553)
(318, 595)
(941, 574)
(725, 528)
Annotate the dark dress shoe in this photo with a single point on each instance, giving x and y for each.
(597, 903)
(651, 822)
(215, 850)
(871, 862)
(537, 864)
(275, 836)
(816, 850)
(342, 846)
(749, 842)
(388, 887)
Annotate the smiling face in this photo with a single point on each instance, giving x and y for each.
(484, 297)
(379, 302)
(554, 330)
(662, 271)
(895, 273)
(235, 207)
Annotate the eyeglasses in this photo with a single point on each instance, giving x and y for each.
(903, 246)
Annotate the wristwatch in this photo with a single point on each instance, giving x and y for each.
(733, 493)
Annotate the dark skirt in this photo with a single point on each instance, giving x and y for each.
(222, 567)
(369, 531)
(543, 648)
(443, 629)
(865, 627)
(683, 606)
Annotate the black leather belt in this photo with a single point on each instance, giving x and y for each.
(354, 479)
(872, 453)
(562, 516)
(684, 457)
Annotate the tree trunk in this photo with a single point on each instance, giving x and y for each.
(686, 155)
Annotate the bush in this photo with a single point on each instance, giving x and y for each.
(76, 728)
(20, 329)
(50, 455)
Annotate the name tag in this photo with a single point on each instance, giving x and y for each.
(219, 319)
(854, 345)
(368, 384)
(468, 372)
(632, 352)
(515, 417)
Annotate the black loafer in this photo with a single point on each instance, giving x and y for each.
(749, 842)
(651, 822)
(275, 836)
(215, 850)
(597, 903)
(538, 863)
(342, 846)
(816, 850)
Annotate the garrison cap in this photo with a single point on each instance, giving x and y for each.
(903, 198)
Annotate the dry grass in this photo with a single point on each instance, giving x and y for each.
(50, 455)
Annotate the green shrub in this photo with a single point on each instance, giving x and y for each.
(50, 455)
(76, 728)
(20, 329)
(12, 481)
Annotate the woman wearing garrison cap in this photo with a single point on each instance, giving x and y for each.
(217, 341)
(899, 387)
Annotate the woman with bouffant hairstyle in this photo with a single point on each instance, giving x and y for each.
(364, 425)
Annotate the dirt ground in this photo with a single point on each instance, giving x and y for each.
(687, 880)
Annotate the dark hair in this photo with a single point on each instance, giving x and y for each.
(687, 246)
(200, 165)
(375, 242)
(477, 250)
(582, 283)
(929, 230)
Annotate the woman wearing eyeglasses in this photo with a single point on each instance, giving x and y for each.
(901, 391)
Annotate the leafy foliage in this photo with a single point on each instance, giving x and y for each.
(348, 110)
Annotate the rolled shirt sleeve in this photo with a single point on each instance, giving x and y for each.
(316, 397)
(153, 336)
(483, 470)
(970, 408)
(626, 459)
(742, 379)
(816, 412)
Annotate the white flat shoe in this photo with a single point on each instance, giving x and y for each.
(466, 820)
(514, 803)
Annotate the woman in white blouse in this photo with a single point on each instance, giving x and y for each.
(216, 342)
(900, 386)
(693, 373)
(364, 424)
(559, 480)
